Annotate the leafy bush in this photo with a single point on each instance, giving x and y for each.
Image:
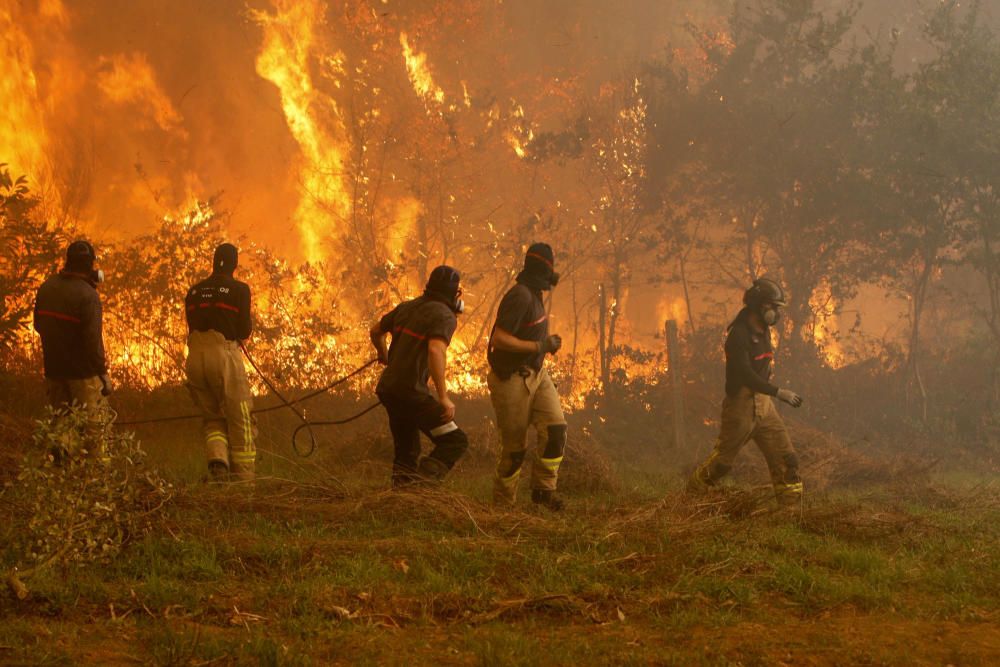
(71, 507)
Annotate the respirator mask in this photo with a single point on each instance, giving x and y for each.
(770, 314)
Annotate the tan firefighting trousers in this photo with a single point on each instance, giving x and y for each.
(751, 416)
(85, 393)
(519, 402)
(218, 384)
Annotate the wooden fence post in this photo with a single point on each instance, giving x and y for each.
(676, 384)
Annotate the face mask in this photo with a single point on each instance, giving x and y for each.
(770, 316)
(554, 280)
(97, 276)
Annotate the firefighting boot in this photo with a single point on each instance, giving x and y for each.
(698, 483)
(547, 498)
(403, 476)
(431, 471)
(218, 472)
(788, 495)
(706, 476)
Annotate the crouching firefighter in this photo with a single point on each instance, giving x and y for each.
(748, 413)
(521, 390)
(421, 331)
(218, 318)
(68, 317)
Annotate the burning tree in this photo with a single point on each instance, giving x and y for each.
(30, 249)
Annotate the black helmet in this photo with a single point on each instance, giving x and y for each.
(764, 290)
(538, 272)
(225, 259)
(444, 284)
(80, 256)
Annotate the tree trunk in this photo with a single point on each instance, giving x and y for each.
(687, 294)
(601, 327)
(918, 299)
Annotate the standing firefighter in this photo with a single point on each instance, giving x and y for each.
(68, 317)
(218, 317)
(521, 390)
(748, 413)
(421, 332)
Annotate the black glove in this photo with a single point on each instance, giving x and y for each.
(790, 397)
(106, 388)
(551, 344)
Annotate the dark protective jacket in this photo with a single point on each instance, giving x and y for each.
(412, 324)
(748, 358)
(68, 317)
(521, 314)
(220, 303)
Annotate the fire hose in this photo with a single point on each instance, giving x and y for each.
(285, 403)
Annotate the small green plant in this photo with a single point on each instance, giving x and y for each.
(83, 492)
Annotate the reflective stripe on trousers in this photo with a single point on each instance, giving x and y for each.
(218, 384)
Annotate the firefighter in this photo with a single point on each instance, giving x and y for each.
(421, 331)
(218, 318)
(68, 317)
(748, 413)
(521, 390)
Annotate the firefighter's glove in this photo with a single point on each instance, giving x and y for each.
(790, 397)
(551, 344)
(106, 387)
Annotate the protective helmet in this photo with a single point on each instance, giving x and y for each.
(81, 255)
(764, 290)
(539, 263)
(226, 258)
(444, 282)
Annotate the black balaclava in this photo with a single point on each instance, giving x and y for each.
(538, 271)
(443, 285)
(225, 260)
(80, 257)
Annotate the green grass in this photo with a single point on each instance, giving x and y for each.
(373, 579)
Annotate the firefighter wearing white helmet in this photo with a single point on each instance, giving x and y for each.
(748, 412)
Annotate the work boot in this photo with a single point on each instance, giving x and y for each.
(432, 471)
(547, 498)
(697, 484)
(788, 495)
(218, 471)
(403, 476)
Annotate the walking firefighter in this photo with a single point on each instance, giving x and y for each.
(68, 316)
(748, 413)
(218, 318)
(521, 390)
(421, 331)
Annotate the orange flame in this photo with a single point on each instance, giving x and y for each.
(419, 73)
(23, 134)
(129, 80)
(290, 41)
(826, 326)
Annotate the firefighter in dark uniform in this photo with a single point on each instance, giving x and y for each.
(748, 413)
(421, 331)
(521, 390)
(68, 317)
(218, 318)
